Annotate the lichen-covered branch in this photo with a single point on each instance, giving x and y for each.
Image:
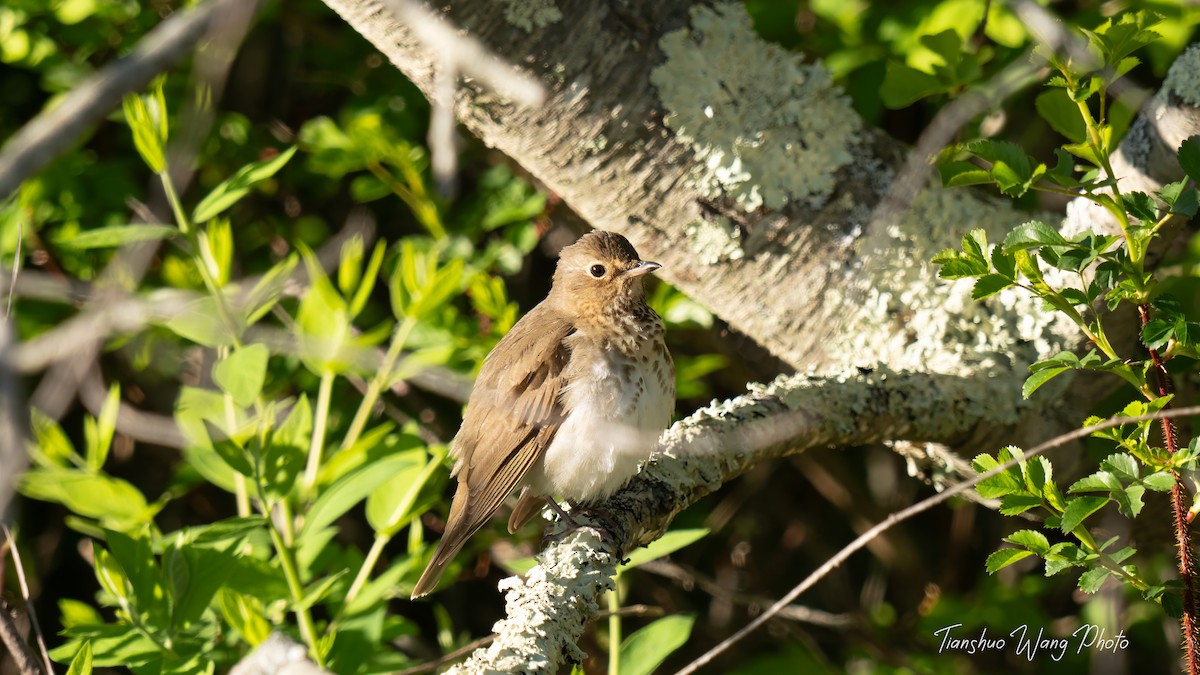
(547, 610)
(741, 168)
(59, 127)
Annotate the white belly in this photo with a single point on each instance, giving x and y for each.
(611, 427)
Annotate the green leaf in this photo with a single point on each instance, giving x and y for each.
(1189, 157)
(960, 174)
(1005, 557)
(268, 290)
(1028, 266)
(1064, 168)
(665, 545)
(233, 189)
(350, 265)
(195, 574)
(1078, 509)
(242, 373)
(1005, 264)
(54, 449)
(1157, 333)
(1160, 481)
(1188, 203)
(147, 119)
(1011, 505)
(1129, 501)
(1031, 235)
(989, 285)
(108, 573)
(200, 322)
(244, 614)
(1091, 580)
(133, 552)
(322, 321)
(230, 450)
(1122, 465)
(116, 235)
(216, 250)
(1031, 539)
(367, 283)
(1101, 481)
(1141, 206)
(111, 500)
(287, 450)
(82, 663)
(1038, 472)
(99, 433)
(1009, 481)
(902, 85)
(968, 263)
(643, 651)
(1038, 378)
(1057, 108)
(391, 505)
(354, 487)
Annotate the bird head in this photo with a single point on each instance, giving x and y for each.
(601, 273)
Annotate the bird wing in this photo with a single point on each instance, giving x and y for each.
(512, 416)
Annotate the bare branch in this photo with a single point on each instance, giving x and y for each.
(458, 54)
(12, 420)
(57, 129)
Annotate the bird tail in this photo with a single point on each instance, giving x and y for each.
(458, 531)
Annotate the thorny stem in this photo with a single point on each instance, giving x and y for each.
(1183, 543)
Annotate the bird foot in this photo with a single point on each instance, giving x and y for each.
(571, 524)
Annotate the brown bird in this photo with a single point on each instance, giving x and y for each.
(568, 403)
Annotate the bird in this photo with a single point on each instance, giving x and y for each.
(568, 403)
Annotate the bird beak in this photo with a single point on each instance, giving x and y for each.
(643, 267)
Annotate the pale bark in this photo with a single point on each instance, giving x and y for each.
(815, 281)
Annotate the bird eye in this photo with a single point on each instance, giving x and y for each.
(597, 270)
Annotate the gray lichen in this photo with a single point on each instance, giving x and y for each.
(1183, 79)
(530, 14)
(905, 316)
(714, 240)
(766, 127)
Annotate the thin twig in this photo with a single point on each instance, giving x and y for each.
(904, 514)
(12, 420)
(12, 286)
(59, 128)
(458, 54)
(33, 620)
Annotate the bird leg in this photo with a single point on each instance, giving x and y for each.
(573, 525)
(565, 517)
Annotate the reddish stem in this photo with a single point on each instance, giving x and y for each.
(1187, 562)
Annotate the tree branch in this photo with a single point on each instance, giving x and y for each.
(58, 128)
